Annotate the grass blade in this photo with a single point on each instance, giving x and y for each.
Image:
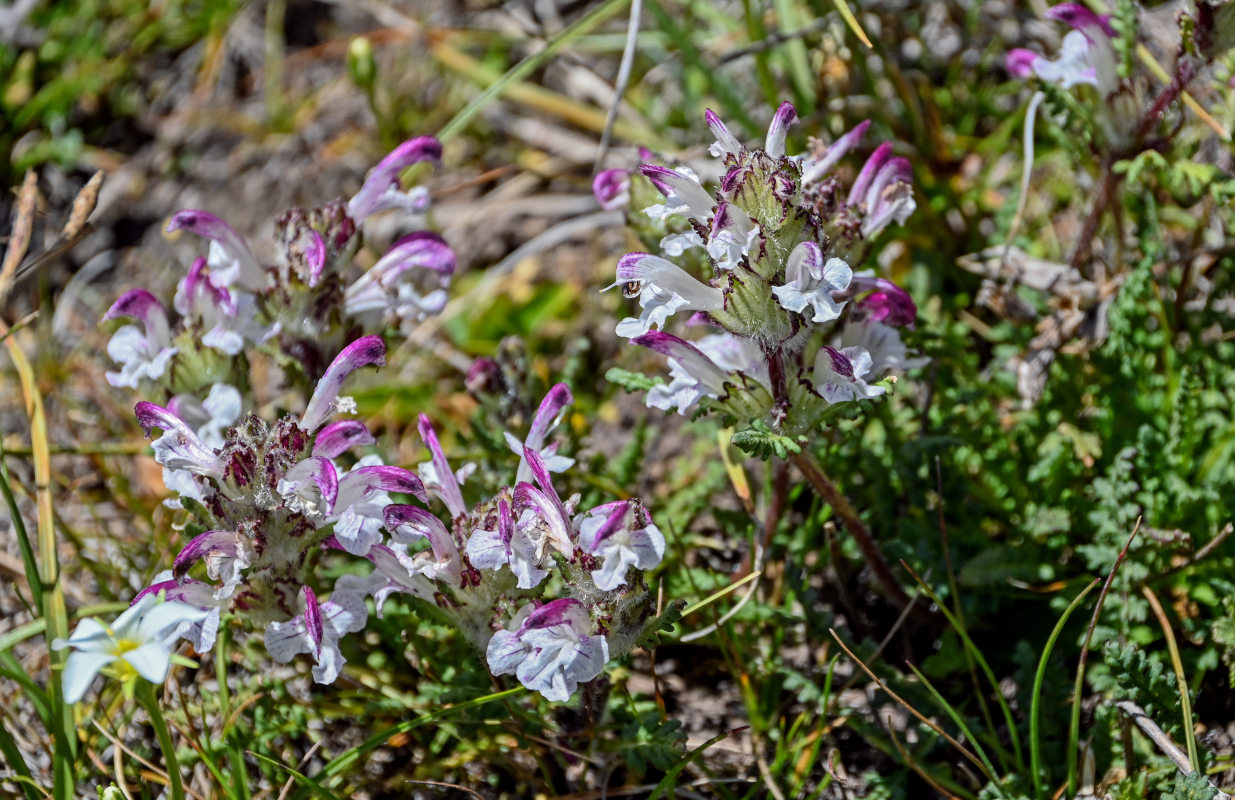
(12, 755)
(528, 65)
(1185, 702)
(23, 537)
(54, 610)
(959, 721)
(1035, 746)
(986, 668)
(1074, 726)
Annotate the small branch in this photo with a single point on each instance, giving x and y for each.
(1199, 555)
(853, 523)
(1110, 182)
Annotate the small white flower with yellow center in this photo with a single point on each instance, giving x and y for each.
(140, 640)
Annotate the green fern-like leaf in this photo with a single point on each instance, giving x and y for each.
(653, 743)
(762, 442)
(631, 381)
(658, 626)
(1193, 786)
(1146, 682)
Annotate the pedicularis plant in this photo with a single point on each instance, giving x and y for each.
(793, 335)
(274, 502)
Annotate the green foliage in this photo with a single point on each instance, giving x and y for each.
(631, 381)
(652, 743)
(1145, 681)
(88, 68)
(762, 442)
(661, 625)
(1193, 786)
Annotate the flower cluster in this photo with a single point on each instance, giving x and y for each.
(272, 500)
(776, 238)
(302, 309)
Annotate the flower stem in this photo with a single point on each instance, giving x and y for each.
(814, 474)
(240, 783)
(149, 701)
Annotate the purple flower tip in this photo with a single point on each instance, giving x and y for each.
(136, 303)
(1019, 62)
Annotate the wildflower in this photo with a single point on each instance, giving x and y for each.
(230, 258)
(138, 640)
(362, 499)
(664, 289)
(140, 353)
(840, 374)
(547, 416)
(551, 649)
(694, 374)
(609, 531)
(228, 316)
(394, 572)
(1073, 66)
(227, 555)
(365, 351)
(437, 475)
(809, 281)
(209, 417)
(883, 342)
(682, 190)
(198, 594)
(407, 524)
(179, 448)
(391, 287)
(817, 165)
(317, 631)
(611, 188)
(888, 303)
(381, 190)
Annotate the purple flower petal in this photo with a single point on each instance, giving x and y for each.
(179, 447)
(693, 360)
(611, 188)
(386, 174)
(785, 116)
(208, 226)
(814, 171)
(1081, 18)
(317, 497)
(363, 352)
(448, 487)
(1019, 62)
(336, 438)
(313, 620)
(315, 257)
(204, 546)
(364, 481)
(686, 189)
(138, 304)
(872, 166)
(726, 142)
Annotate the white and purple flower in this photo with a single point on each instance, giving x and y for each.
(317, 631)
(623, 536)
(840, 374)
(551, 649)
(141, 352)
(811, 281)
(552, 407)
(664, 289)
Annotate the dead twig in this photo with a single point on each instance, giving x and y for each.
(1161, 740)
